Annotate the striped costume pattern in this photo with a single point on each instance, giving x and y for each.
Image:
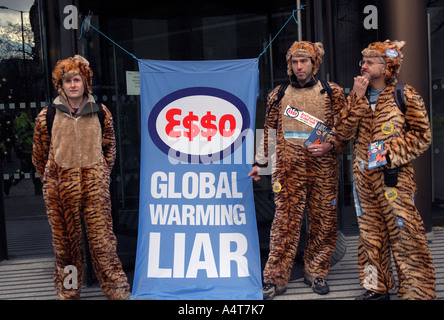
(302, 184)
(390, 224)
(76, 189)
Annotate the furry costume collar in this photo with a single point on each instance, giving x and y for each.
(295, 83)
(88, 106)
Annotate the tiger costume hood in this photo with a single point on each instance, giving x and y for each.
(314, 51)
(69, 67)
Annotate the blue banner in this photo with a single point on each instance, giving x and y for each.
(197, 225)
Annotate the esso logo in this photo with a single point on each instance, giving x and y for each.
(292, 113)
(198, 125)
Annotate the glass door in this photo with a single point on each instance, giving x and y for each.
(436, 47)
(23, 90)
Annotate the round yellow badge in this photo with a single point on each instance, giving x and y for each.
(387, 128)
(277, 187)
(391, 194)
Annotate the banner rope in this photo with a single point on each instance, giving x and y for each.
(293, 15)
(86, 24)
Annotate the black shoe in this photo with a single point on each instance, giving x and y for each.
(318, 285)
(371, 295)
(270, 291)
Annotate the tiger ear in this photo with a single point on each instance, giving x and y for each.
(81, 60)
(320, 48)
(400, 45)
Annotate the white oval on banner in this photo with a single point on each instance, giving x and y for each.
(198, 125)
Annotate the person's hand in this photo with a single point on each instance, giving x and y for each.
(383, 154)
(254, 173)
(318, 150)
(360, 86)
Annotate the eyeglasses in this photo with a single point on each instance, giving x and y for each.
(368, 63)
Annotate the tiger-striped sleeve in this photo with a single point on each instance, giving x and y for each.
(108, 139)
(347, 124)
(41, 143)
(338, 104)
(271, 119)
(417, 139)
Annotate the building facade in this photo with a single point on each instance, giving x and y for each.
(198, 30)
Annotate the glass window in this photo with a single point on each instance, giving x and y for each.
(436, 34)
(23, 92)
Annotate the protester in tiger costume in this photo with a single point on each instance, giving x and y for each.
(305, 179)
(74, 162)
(387, 216)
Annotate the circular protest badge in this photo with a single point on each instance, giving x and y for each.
(391, 194)
(277, 187)
(387, 128)
(391, 53)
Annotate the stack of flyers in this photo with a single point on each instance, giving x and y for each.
(376, 159)
(318, 134)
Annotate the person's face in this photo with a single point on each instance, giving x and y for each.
(372, 68)
(302, 68)
(73, 87)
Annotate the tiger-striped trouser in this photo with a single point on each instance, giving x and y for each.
(390, 222)
(73, 195)
(307, 184)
